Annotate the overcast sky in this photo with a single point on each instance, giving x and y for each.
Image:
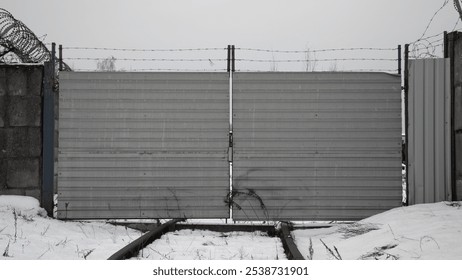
(268, 24)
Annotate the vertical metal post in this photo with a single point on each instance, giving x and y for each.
(53, 52)
(231, 144)
(450, 44)
(60, 57)
(233, 59)
(406, 118)
(48, 130)
(446, 45)
(399, 59)
(228, 68)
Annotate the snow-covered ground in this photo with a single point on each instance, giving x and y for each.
(426, 231)
(210, 245)
(26, 233)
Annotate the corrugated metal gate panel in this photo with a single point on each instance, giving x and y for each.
(143, 145)
(429, 131)
(317, 146)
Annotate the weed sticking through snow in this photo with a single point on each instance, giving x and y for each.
(310, 250)
(84, 253)
(62, 242)
(333, 253)
(6, 251)
(15, 216)
(379, 253)
(45, 231)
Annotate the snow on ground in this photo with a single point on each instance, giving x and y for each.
(26, 233)
(425, 231)
(210, 245)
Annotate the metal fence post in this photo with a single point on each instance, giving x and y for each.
(48, 134)
(60, 57)
(228, 60)
(231, 144)
(399, 59)
(233, 60)
(406, 118)
(453, 50)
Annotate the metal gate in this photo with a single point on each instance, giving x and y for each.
(143, 145)
(316, 146)
(429, 130)
(306, 146)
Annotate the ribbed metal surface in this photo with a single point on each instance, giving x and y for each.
(316, 146)
(429, 163)
(143, 145)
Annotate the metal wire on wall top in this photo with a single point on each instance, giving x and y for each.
(19, 44)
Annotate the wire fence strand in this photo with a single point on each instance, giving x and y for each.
(143, 50)
(151, 59)
(317, 50)
(316, 60)
(215, 59)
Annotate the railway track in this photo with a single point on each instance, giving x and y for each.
(284, 233)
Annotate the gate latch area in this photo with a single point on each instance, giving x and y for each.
(230, 147)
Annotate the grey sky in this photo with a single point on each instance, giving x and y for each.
(269, 24)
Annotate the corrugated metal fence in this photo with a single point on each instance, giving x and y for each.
(143, 145)
(429, 152)
(318, 146)
(307, 146)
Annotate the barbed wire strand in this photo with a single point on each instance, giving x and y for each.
(317, 60)
(455, 25)
(428, 47)
(155, 69)
(238, 59)
(351, 70)
(143, 50)
(316, 50)
(431, 20)
(151, 59)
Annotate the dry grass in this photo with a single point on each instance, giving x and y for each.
(379, 253)
(356, 229)
(334, 253)
(310, 250)
(6, 251)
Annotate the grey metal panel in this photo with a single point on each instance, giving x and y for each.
(143, 145)
(429, 171)
(316, 146)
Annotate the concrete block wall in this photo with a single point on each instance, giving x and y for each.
(21, 130)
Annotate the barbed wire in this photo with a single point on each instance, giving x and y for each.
(426, 47)
(244, 57)
(157, 69)
(431, 20)
(20, 43)
(455, 25)
(423, 47)
(18, 39)
(426, 38)
(238, 59)
(317, 50)
(317, 60)
(151, 59)
(389, 70)
(144, 50)
(436, 35)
